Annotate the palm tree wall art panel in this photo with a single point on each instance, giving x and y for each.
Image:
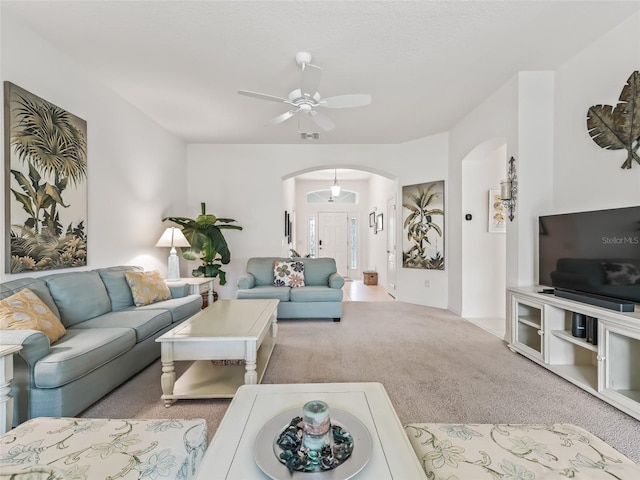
(45, 184)
(423, 226)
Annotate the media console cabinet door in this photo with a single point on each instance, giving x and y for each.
(620, 365)
(528, 326)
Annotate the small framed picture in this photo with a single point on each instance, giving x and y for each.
(372, 219)
(379, 223)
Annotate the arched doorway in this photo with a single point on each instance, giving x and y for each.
(339, 226)
(483, 237)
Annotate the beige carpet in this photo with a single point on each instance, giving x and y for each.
(435, 366)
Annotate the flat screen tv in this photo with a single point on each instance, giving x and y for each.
(593, 253)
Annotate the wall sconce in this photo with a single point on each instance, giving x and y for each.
(509, 189)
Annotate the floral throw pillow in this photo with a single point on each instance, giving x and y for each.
(25, 311)
(147, 287)
(288, 274)
(621, 273)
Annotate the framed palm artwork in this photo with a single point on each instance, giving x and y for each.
(45, 184)
(423, 226)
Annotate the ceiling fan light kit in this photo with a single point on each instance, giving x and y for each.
(307, 98)
(309, 136)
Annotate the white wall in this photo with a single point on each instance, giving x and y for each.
(587, 177)
(433, 167)
(483, 252)
(381, 189)
(245, 182)
(493, 122)
(136, 170)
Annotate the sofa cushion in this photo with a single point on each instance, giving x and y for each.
(262, 269)
(179, 308)
(79, 352)
(117, 286)
(316, 294)
(36, 285)
(288, 274)
(25, 311)
(147, 287)
(79, 296)
(265, 291)
(145, 322)
(487, 451)
(318, 270)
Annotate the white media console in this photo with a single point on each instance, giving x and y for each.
(541, 331)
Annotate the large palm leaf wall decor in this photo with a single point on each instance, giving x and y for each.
(423, 211)
(618, 128)
(46, 161)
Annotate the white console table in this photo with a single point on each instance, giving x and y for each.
(540, 327)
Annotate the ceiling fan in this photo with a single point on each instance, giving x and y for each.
(307, 98)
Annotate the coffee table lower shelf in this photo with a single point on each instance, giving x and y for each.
(204, 379)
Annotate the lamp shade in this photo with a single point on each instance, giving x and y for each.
(172, 237)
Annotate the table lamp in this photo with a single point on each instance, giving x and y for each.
(173, 237)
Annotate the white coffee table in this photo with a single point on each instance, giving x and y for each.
(231, 453)
(227, 330)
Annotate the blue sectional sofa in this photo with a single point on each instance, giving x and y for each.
(108, 339)
(320, 297)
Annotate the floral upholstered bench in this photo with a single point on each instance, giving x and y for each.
(87, 449)
(476, 452)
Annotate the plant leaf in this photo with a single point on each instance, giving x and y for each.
(619, 128)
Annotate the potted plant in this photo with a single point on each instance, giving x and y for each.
(207, 242)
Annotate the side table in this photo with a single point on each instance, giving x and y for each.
(6, 375)
(201, 285)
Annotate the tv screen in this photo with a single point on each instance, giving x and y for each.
(595, 252)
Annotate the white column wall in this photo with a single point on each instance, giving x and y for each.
(495, 121)
(136, 169)
(534, 166)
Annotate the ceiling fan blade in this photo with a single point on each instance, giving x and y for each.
(262, 96)
(346, 101)
(310, 79)
(280, 118)
(322, 120)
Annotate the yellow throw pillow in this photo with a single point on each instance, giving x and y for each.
(147, 287)
(25, 311)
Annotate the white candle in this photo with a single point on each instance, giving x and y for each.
(316, 423)
(505, 190)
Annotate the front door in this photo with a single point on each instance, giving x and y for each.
(333, 239)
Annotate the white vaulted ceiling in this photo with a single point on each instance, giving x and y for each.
(425, 63)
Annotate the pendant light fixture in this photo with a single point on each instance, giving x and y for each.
(335, 188)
